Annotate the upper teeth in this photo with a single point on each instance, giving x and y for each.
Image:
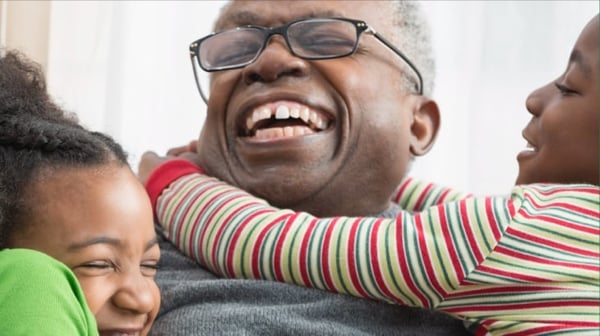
(286, 110)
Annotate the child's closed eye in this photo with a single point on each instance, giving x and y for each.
(564, 90)
(96, 267)
(149, 268)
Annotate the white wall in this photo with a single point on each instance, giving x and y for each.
(124, 67)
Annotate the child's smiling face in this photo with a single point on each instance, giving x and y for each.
(563, 131)
(99, 222)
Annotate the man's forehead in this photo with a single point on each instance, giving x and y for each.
(274, 13)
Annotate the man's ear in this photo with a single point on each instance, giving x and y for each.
(425, 126)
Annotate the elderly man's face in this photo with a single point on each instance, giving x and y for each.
(346, 143)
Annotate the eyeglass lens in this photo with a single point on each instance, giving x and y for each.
(312, 39)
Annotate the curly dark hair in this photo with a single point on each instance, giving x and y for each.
(37, 136)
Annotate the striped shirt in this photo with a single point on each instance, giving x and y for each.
(523, 265)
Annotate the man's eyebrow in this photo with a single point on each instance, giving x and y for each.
(324, 13)
(244, 18)
(578, 59)
(239, 18)
(94, 241)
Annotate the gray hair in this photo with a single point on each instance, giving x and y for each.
(413, 38)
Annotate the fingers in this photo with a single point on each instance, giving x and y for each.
(149, 161)
(190, 147)
(176, 151)
(193, 146)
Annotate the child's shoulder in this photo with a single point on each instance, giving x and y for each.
(19, 259)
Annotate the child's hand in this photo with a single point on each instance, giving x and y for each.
(151, 160)
(148, 163)
(181, 150)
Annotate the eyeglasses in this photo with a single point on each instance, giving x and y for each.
(310, 39)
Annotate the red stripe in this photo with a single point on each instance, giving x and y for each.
(255, 263)
(545, 262)
(442, 197)
(491, 307)
(194, 200)
(178, 206)
(466, 224)
(563, 205)
(491, 217)
(278, 263)
(503, 289)
(510, 275)
(562, 189)
(304, 248)
(352, 269)
(482, 330)
(422, 196)
(210, 219)
(375, 259)
(400, 190)
(403, 262)
(453, 254)
(545, 329)
(561, 222)
(547, 243)
(424, 248)
(325, 260)
(229, 257)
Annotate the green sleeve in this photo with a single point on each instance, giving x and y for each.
(41, 296)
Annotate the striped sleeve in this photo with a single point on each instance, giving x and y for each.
(526, 265)
(416, 195)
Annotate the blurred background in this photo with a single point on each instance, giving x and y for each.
(124, 68)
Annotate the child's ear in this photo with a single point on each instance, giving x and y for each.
(425, 125)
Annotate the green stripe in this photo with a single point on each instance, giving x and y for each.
(290, 262)
(432, 197)
(220, 251)
(415, 259)
(406, 197)
(264, 248)
(438, 251)
(367, 225)
(338, 254)
(313, 239)
(457, 231)
(407, 298)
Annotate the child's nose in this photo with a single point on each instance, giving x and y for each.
(535, 101)
(136, 294)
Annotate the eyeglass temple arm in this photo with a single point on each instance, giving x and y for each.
(388, 44)
(197, 78)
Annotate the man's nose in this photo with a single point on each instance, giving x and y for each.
(275, 61)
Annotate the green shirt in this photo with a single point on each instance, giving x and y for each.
(41, 296)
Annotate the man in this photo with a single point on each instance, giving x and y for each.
(309, 123)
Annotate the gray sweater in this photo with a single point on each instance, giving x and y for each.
(196, 302)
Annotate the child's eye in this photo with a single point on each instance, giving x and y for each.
(565, 91)
(95, 268)
(97, 264)
(149, 268)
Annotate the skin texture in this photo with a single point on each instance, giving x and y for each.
(85, 218)
(375, 126)
(563, 131)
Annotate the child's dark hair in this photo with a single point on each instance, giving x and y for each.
(38, 136)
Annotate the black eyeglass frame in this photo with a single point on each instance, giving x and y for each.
(361, 27)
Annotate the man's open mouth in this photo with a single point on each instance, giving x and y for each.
(283, 119)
